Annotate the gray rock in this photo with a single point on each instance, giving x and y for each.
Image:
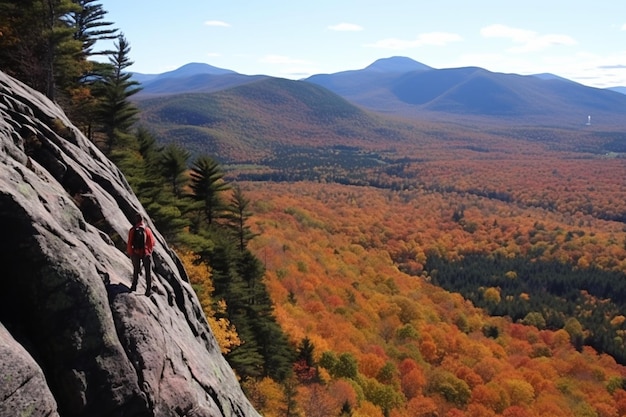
(22, 381)
(73, 333)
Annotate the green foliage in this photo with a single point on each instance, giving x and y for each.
(237, 278)
(90, 27)
(583, 301)
(207, 186)
(345, 367)
(616, 383)
(387, 374)
(535, 319)
(174, 161)
(115, 112)
(382, 395)
(237, 275)
(237, 215)
(453, 389)
(37, 45)
(328, 360)
(306, 352)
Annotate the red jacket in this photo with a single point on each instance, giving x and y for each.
(149, 241)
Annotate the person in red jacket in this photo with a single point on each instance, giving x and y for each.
(139, 248)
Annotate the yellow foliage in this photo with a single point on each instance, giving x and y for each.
(266, 395)
(511, 275)
(520, 392)
(200, 278)
(492, 295)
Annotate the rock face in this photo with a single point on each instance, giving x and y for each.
(73, 340)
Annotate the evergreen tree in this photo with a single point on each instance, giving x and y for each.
(238, 279)
(277, 353)
(346, 409)
(37, 45)
(89, 26)
(306, 352)
(174, 164)
(207, 184)
(115, 112)
(64, 59)
(166, 208)
(237, 216)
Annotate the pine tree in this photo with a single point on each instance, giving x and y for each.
(306, 352)
(153, 184)
(37, 45)
(115, 112)
(89, 27)
(237, 216)
(207, 184)
(174, 165)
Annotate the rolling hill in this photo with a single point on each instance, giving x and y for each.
(270, 118)
(403, 87)
(254, 121)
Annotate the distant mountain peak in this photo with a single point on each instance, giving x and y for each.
(185, 72)
(397, 64)
(195, 68)
(549, 76)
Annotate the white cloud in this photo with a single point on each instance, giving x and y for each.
(527, 40)
(213, 54)
(217, 23)
(623, 26)
(346, 27)
(430, 39)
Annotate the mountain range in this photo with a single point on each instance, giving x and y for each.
(403, 87)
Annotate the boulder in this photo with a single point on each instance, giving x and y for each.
(75, 340)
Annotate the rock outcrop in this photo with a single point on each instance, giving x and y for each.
(73, 340)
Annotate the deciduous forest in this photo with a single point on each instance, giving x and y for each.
(429, 270)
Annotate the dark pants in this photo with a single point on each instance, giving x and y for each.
(147, 265)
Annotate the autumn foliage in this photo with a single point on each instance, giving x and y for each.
(345, 268)
(200, 278)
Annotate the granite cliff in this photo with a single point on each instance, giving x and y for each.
(73, 340)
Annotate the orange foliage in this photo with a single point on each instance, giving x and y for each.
(336, 258)
(620, 401)
(371, 364)
(316, 401)
(367, 409)
(479, 410)
(413, 383)
(517, 411)
(468, 375)
(343, 392)
(421, 407)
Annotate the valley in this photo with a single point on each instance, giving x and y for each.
(398, 240)
(456, 264)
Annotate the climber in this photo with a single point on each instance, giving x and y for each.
(139, 248)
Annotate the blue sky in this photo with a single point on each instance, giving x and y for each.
(584, 41)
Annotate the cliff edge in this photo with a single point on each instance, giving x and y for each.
(73, 340)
